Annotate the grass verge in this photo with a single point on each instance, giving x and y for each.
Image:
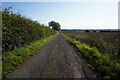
(101, 63)
(11, 59)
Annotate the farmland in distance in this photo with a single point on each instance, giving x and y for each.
(105, 42)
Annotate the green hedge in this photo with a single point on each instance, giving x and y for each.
(101, 63)
(11, 59)
(18, 30)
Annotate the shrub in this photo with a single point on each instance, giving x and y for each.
(19, 30)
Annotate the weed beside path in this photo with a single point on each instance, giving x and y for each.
(101, 63)
(11, 59)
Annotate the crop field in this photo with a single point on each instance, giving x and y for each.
(104, 62)
(105, 42)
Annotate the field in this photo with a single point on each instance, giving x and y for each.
(100, 50)
(105, 42)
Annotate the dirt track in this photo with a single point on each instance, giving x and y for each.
(57, 59)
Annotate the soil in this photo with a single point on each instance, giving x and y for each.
(57, 59)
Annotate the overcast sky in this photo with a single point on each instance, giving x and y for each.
(71, 15)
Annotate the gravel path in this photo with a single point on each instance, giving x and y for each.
(57, 59)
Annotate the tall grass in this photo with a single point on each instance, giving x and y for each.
(101, 63)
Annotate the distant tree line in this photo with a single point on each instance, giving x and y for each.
(18, 30)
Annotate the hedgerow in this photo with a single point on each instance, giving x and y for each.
(101, 63)
(17, 30)
(13, 58)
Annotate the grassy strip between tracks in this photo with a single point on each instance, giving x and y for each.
(101, 63)
(11, 59)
